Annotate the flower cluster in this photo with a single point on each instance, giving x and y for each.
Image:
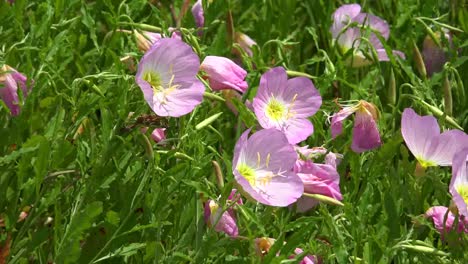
(271, 165)
(360, 32)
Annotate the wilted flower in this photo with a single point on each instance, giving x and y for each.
(349, 36)
(245, 42)
(320, 179)
(423, 138)
(223, 73)
(459, 183)
(434, 56)
(146, 39)
(438, 214)
(263, 168)
(10, 79)
(226, 221)
(365, 132)
(286, 104)
(167, 76)
(197, 12)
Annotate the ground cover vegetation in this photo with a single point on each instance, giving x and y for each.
(233, 131)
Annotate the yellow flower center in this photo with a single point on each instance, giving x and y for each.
(275, 109)
(463, 191)
(160, 92)
(425, 163)
(153, 79)
(247, 172)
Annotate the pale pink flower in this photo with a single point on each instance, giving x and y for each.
(263, 168)
(349, 37)
(423, 138)
(167, 76)
(286, 104)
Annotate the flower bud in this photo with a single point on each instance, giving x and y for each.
(419, 61)
(434, 55)
(223, 73)
(197, 12)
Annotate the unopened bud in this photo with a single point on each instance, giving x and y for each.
(392, 88)
(419, 61)
(447, 96)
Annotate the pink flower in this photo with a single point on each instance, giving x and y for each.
(226, 221)
(10, 80)
(349, 37)
(223, 73)
(459, 183)
(438, 214)
(158, 134)
(365, 132)
(423, 138)
(263, 168)
(320, 179)
(167, 76)
(245, 42)
(286, 104)
(197, 12)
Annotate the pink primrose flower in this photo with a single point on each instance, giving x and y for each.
(286, 104)
(263, 168)
(349, 36)
(167, 76)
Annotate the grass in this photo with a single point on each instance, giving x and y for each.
(96, 189)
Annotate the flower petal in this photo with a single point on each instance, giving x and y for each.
(318, 179)
(418, 132)
(337, 120)
(305, 97)
(197, 12)
(460, 180)
(443, 147)
(366, 135)
(342, 16)
(298, 130)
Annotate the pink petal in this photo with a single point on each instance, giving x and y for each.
(443, 147)
(337, 120)
(438, 213)
(365, 132)
(382, 54)
(158, 134)
(342, 16)
(298, 130)
(197, 12)
(318, 179)
(460, 179)
(374, 22)
(306, 97)
(418, 132)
